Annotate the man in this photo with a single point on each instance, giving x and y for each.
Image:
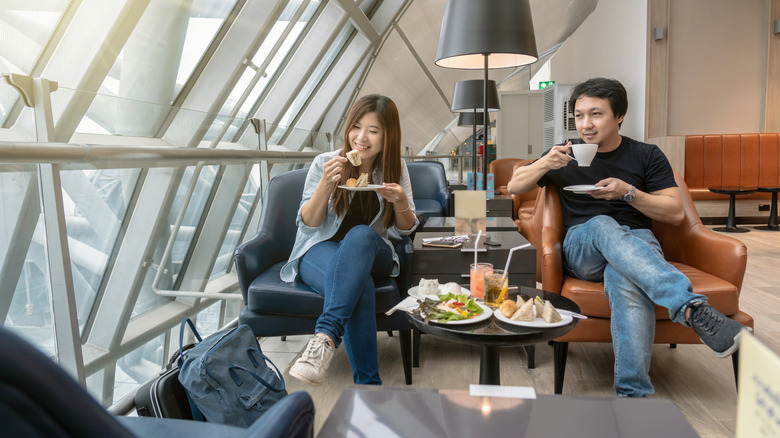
(609, 235)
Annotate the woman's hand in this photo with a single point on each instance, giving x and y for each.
(394, 193)
(331, 172)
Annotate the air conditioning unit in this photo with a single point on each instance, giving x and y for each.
(558, 120)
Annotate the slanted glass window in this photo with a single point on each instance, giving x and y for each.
(25, 30)
(165, 47)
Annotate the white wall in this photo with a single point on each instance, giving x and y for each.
(610, 43)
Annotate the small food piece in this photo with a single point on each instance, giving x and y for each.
(520, 301)
(451, 288)
(508, 308)
(549, 314)
(525, 312)
(429, 287)
(354, 157)
(352, 182)
(362, 180)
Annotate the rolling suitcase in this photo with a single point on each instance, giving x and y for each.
(164, 396)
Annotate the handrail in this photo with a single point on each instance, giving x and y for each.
(70, 155)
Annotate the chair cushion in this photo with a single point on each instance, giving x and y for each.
(593, 302)
(268, 294)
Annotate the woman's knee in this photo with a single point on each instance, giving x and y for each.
(362, 236)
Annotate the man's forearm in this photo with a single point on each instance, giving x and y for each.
(525, 178)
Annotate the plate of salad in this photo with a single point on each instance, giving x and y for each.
(453, 309)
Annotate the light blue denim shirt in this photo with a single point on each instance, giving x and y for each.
(307, 237)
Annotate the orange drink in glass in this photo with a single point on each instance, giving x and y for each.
(477, 275)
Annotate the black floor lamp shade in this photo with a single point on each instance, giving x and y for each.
(502, 29)
(469, 95)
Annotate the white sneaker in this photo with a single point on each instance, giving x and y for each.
(312, 366)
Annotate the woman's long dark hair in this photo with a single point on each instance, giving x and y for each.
(389, 159)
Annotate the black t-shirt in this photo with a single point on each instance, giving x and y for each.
(640, 164)
(362, 209)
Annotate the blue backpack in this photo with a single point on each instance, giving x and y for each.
(227, 377)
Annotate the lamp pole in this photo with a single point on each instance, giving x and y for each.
(485, 126)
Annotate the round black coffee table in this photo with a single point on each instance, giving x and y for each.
(772, 225)
(732, 191)
(492, 333)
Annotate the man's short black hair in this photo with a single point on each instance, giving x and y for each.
(605, 89)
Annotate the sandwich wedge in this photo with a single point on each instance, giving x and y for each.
(354, 157)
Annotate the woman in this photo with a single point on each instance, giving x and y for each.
(342, 245)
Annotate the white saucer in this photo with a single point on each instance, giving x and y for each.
(582, 188)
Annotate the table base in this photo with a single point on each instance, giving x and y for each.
(731, 229)
(767, 228)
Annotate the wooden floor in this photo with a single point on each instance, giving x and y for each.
(701, 385)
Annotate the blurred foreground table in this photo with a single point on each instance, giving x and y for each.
(371, 411)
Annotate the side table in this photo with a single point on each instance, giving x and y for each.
(732, 191)
(772, 225)
(492, 334)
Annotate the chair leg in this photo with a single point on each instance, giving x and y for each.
(530, 350)
(560, 350)
(284, 338)
(735, 363)
(390, 333)
(672, 345)
(416, 348)
(406, 353)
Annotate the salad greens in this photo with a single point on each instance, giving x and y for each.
(459, 307)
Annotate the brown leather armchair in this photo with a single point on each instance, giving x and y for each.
(502, 172)
(714, 263)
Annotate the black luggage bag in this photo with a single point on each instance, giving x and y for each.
(164, 396)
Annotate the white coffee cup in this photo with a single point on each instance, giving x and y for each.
(584, 153)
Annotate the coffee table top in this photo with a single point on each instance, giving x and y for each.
(440, 223)
(381, 411)
(498, 333)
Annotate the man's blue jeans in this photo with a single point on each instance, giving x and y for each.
(343, 273)
(636, 276)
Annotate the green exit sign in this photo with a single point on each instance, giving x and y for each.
(545, 84)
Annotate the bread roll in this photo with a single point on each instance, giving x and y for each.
(508, 308)
(352, 182)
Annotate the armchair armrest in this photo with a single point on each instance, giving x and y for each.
(552, 259)
(722, 256)
(253, 257)
(405, 251)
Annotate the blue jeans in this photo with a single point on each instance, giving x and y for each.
(636, 276)
(343, 272)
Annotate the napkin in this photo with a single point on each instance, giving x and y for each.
(407, 305)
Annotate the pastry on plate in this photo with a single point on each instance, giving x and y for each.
(508, 308)
(429, 286)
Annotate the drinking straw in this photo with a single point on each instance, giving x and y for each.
(509, 257)
(475, 248)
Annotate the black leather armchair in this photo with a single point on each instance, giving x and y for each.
(39, 399)
(275, 308)
(429, 188)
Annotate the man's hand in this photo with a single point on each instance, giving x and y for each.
(558, 157)
(611, 188)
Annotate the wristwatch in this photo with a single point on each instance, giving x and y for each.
(628, 197)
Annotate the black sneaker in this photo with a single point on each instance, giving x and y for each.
(717, 331)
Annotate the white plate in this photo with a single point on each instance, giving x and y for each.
(537, 322)
(582, 188)
(414, 291)
(487, 312)
(367, 188)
